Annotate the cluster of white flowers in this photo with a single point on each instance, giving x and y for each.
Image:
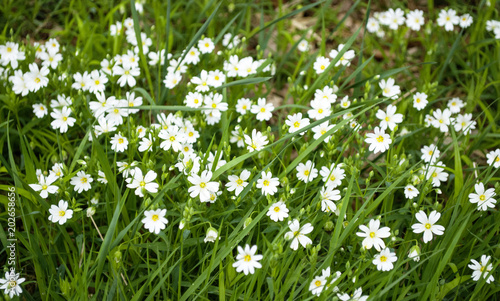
(415, 20)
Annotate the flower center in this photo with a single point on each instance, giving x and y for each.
(83, 180)
(172, 138)
(65, 118)
(418, 100)
(127, 72)
(12, 283)
(186, 149)
(276, 209)
(97, 82)
(206, 45)
(386, 90)
(322, 67)
(434, 174)
(203, 185)
(320, 111)
(372, 234)
(120, 140)
(62, 213)
(196, 100)
(387, 119)
(380, 139)
(441, 121)
(482, 197)
(44, 187)
(323, 132)
(9, 49)
(383, 258)
(482, 269)
(427, 226)
(332, 178)
(155, 217)
(142, 183)
(306, 172)
(317, 283)
(247, 258)
(430, 153)
(214, 105)
(296, 124)
(239, 181)
(190, 134)
(216, 77)
(266, 183)
(37, 80)
(262, 110)
(116, 111)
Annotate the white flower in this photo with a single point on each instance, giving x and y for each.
(303, 46)
(345, 59)
(11, 283)
(214, 103)
(332, 176)
(464, 123)
(395, 18)
(243, 105)
(50, 59)
(320, 109)
(428, 225)
(448, 18)
(9, 53)
(216, 78)
(389, 89)
(414, 253)
(326, 95)
(206, 45)
(356, 296)
(262, 109)
(173, 138)
(36, 78)
(298, 234)
(379, 141)
(345, 102)
(327, 196)
(119, 143)
(102, 177)
(60, 214)
(296, 122)
(202, 186)
(321, 64)
(132, 101)
(484, 268)
(57, 170)
(430, 153)
(267, 183)
(211, 236)
(40, 110)
(278, 211)
(172, 79)
(373, 235)
(384, 260)
(455, 104)
(81, 181)
(436, 172)
(201, 82)
(419, 100)
(389, 118)
(319, 283)
(237, 184)
(127, 72)
(373, 25)
(465, 21)
(256, 142)
(194, 99)
(142, 183)
(155, 220)
(483, 198)
(493, 158)
(62, 120)
(19, 85)
(411, 192)
(306, 172)
(97, 82)
(45, 185)
(441, 120)
(415, 19)
(321, 129)
(246, 260)
(145, 144)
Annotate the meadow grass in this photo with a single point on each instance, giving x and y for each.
(106, 251)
